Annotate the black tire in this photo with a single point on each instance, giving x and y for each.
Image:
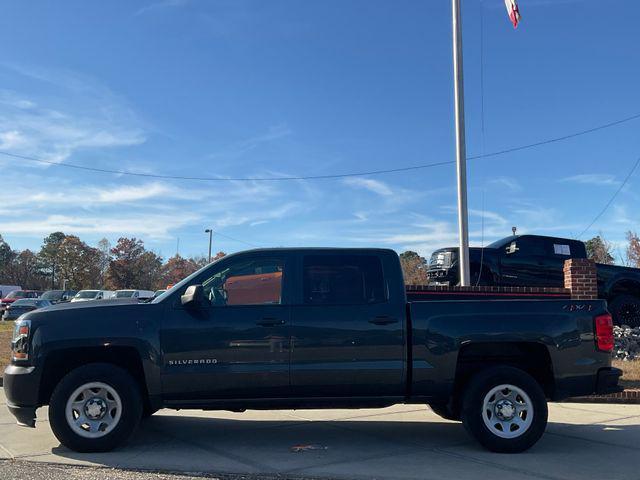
(625, 310)
(443, 410)
(473, 410)
(148, 412)
(130, 400)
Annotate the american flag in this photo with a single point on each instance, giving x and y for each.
(514, 12)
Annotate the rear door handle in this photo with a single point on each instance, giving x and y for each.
(383, 320)
(270, 322)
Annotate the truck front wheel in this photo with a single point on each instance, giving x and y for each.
(95, 408)
(505, 409)
(444, 410)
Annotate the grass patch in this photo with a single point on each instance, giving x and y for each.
(630, 373)
(6, 331)
(6, 326)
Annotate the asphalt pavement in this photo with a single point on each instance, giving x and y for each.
(583, 441)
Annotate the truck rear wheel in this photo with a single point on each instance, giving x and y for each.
(505, 409)
(625, 310)
(95, 408)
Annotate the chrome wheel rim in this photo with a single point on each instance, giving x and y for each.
(93, 410)
(507, 411)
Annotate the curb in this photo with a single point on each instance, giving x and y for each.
(626, 397)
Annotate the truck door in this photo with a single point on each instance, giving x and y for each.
(347, 337)
(524, 263)
(238, 346)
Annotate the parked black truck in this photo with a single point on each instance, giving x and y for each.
(306, 328)
(537, 261)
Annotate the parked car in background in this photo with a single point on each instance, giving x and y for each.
(86, 295)
(538, 261)
(24, 305)
(141, 295)
(7, 289)
(17, 295)
(58, 296)
(157, 293)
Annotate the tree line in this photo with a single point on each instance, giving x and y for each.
(66, 261)
(598, 248)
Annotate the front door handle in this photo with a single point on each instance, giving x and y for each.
(382, 320)
(270, 322)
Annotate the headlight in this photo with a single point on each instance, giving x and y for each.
(20, 340)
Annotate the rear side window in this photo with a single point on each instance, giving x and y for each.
(343, 280)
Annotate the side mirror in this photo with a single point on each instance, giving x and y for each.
(193, 297)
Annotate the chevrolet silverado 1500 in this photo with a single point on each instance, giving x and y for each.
(306, 328)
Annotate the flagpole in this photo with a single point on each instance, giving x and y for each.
(461, 153)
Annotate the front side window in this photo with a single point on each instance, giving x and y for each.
(87, 294)
(343, 280)
(124, 293)
(246, 282)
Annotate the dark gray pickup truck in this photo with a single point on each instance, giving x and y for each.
(537, 261)
(306, 328)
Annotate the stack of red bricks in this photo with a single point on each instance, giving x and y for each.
(580, 277)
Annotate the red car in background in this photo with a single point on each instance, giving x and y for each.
(17, 295)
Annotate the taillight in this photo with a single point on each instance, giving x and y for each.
(20, 341)
(604, 332)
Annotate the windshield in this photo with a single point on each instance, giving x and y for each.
(52, 295)
(440, 259)
(24, 302)
(124, 293)
(17, 294)
(87, 294)
(501, 243)
(182, 283)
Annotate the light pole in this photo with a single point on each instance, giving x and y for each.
(210, 232)
(461, 151)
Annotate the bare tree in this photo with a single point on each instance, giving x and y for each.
(599, 250)
(414, 268)
(633, 250)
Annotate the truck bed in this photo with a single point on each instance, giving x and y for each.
(441, 331)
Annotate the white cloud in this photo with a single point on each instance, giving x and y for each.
(235, 150)
(65, 114)
(53, 135)
(12, 140)
(488, 215)
(370, 184)
(508, 182)
(599, 179)
(161, 5)
(148, 225)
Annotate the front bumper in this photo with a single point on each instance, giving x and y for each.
(25, 416)
(21, 387)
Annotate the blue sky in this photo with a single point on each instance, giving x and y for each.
(239, 88)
